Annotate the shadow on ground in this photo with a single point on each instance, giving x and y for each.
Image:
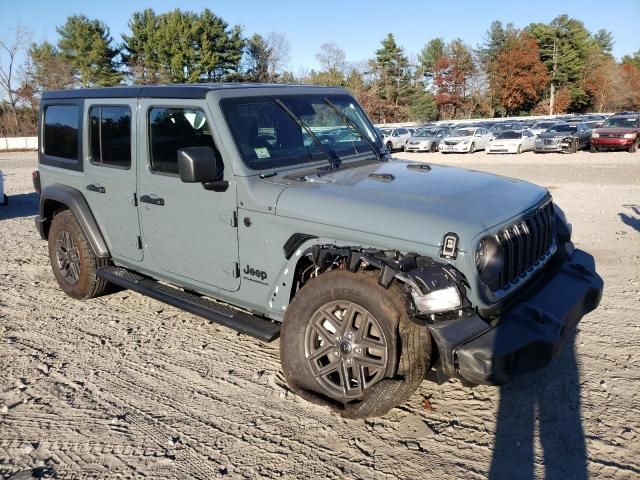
(633, 218)
(22, 205)
(548, 399)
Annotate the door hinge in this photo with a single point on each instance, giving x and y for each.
(139, 243)
(236, 270)
(234, 219)
(135, 200)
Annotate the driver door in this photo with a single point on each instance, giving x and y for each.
(189, 232)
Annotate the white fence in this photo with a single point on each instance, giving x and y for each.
(18, 143)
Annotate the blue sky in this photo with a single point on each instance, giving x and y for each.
(357, 26)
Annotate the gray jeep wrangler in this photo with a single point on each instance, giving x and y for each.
(276, 210)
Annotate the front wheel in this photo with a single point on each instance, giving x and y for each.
(519, 151)
(348, 343)
(390, 147)
(434, 147)
(594, 149)
(472, 148)
(633, 148)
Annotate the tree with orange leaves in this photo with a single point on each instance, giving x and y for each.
(517, 74)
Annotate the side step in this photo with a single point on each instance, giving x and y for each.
(253, 325)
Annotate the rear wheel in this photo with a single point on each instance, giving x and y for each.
(72, 259)
(348, 343)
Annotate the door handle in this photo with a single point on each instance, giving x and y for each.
(152, 199)
(94, 187)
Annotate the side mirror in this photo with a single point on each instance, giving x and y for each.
(200, 165)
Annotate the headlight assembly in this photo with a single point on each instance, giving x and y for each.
(489, 259)
(595, 135)
(437, 301)
(629, 135)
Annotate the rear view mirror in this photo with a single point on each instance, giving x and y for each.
(199, 164)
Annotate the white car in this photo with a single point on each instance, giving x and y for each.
(395, 138)
(512, 141)
(465, 140)
(4, 200)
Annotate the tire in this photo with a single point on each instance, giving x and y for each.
(472, 148)
(306, 329)
(633, 148)
(390, 147)
(434, 147)
(594, 149)
(72, 259)
(574, 148)
(519, 151)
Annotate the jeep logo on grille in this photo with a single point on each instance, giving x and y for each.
(261, 274)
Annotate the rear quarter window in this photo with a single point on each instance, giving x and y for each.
(61, 131)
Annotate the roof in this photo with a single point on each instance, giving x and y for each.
(181, 90)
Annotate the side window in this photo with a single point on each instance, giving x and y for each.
(61, 131)
(110, 136)
(173, 128)
(402, 131)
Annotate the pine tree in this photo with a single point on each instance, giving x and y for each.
(257, 59)
(87, 46)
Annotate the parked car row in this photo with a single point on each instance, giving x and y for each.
(565, 134)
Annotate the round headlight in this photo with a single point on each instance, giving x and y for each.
(489, 259)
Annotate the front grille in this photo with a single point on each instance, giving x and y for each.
(451, 142)
(524, 244)
(611, 135)
(549, 141)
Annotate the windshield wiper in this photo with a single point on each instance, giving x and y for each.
(351, 123)
(334, 160)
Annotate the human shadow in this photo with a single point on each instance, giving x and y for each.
(21, 205)
(632, 220)
(551, 398)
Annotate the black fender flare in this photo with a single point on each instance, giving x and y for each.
(74, 200)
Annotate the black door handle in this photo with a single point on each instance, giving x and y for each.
(94, 187)
(153, 200)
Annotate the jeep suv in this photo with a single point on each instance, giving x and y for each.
(275, 210)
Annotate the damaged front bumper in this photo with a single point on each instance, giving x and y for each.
(526, 336)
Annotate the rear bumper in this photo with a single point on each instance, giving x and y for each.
(528, 335)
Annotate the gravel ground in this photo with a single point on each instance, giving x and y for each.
(125, 387)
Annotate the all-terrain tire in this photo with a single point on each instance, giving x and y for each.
(408, 344)
(87, 285)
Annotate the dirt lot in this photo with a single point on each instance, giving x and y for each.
(124, 386)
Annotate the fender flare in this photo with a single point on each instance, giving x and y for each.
(74, 200)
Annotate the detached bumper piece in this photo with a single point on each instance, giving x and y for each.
(526, 337)
(242, 322)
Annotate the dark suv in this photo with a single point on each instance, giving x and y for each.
(620, 132)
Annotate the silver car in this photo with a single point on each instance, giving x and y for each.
(395, 138)
(426, 139)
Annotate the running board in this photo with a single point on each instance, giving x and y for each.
(242, 322)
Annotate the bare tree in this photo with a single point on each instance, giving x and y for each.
(9, 53)
(331, 57)
(280, 53)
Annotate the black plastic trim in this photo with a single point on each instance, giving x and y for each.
(69, 163)
(293, 242)
(76, 202)
(258, 327)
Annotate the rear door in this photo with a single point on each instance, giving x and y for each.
(188, 231)
(110, 173)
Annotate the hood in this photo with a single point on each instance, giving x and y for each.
(410, 204)
(557, 134)
(455, 138)
(616, 130)
(505, 141)
(422, 139)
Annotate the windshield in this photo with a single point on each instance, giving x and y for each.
(426, 132)
(267, 136)
(385, 132)
(621, 122)
(463, 132)
(562, 128)
(509, 135)
(543, 125)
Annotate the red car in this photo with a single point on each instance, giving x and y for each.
(620, 132)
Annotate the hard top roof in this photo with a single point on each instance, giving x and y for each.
(180, 90)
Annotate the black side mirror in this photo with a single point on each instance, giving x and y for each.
(200, 165)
